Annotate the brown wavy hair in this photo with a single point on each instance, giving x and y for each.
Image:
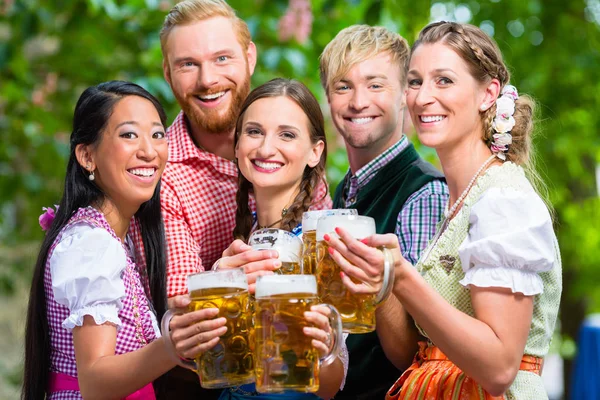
(301, 95)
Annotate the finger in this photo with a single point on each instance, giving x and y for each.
(270, 264)
(362, 256)
(358, 288)
(352, 270)
(190, 318)
(251, 278)
(321, 347)
(198, 333)
(198, 349)
(315, 333)
(317, 319)
(247, 257)
(236, 247)
(179, 303)
(389, 240)
(321, 309)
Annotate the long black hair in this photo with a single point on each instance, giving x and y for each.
(92, 112)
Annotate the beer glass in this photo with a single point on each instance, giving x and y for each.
(309, 235)
(288, 245)
(231, 361)
(286, 359)
(357, 310)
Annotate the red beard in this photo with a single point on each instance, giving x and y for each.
(216, 120)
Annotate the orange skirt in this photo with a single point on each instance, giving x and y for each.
(433, 376)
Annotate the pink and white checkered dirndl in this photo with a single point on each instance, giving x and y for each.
(62, 358)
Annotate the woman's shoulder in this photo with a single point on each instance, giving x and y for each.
(507, 175)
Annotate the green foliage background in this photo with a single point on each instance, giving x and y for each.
(51, 50)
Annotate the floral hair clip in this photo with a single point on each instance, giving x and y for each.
(504, 121)
(47, 217)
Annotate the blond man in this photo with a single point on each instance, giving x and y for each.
(363, 73)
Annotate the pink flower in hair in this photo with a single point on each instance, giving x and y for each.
(47, 217)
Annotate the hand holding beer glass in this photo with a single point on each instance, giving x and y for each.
(289, 350)
(229, 362)
(309, 235)
(288, 245)
(355, 286)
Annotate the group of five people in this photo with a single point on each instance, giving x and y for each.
(477, 275)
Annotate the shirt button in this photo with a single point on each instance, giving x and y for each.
(351, 200)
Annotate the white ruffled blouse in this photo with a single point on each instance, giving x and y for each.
(87, 269)
(513, 245)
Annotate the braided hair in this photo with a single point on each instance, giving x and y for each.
(311, 176)
(484, 61)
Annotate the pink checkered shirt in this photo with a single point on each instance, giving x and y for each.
(198, 205)
(62, 355)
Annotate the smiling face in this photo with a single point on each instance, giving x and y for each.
(131, 155)
(444, 99)
(274, 148)
(366, 104)
(209, 72)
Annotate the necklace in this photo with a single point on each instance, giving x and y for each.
(450, 213)
(283, 212)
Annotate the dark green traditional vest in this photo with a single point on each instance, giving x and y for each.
(370, 374)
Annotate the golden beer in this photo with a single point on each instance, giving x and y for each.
(286, 358)
(231, 361)
(290, 268)
(357, 310)
(288, 246)
(309, 235)
(309, 252)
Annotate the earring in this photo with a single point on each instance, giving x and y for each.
(91, 177)
(483, 107)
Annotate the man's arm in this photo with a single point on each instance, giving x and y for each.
(416, 225)
(418, 218)
(182, 249)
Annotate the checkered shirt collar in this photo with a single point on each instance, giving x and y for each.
(367, 172)
(182, 148)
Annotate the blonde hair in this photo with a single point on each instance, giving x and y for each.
(190, 11)
(356, 44)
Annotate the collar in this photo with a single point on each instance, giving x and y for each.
(182, 148)
(367, 172)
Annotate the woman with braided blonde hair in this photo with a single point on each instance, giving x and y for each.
(485, 293)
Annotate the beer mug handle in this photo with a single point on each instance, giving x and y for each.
(335, 320)
(165, 331)
(388, 277)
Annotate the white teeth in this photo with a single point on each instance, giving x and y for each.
(212, 96)
(145, 172)
(360, 121)
(267, 165)
(431, 118)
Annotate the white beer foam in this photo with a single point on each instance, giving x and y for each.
(217, 279)
(310, 218)
(271, 285)
(358, 226)
(288, 245)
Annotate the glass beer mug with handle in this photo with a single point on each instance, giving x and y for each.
(357, 310)
(288, 245)
(231, 361)
(309, 235)
(286, 359)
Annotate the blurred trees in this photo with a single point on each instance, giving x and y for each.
(50, 50)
